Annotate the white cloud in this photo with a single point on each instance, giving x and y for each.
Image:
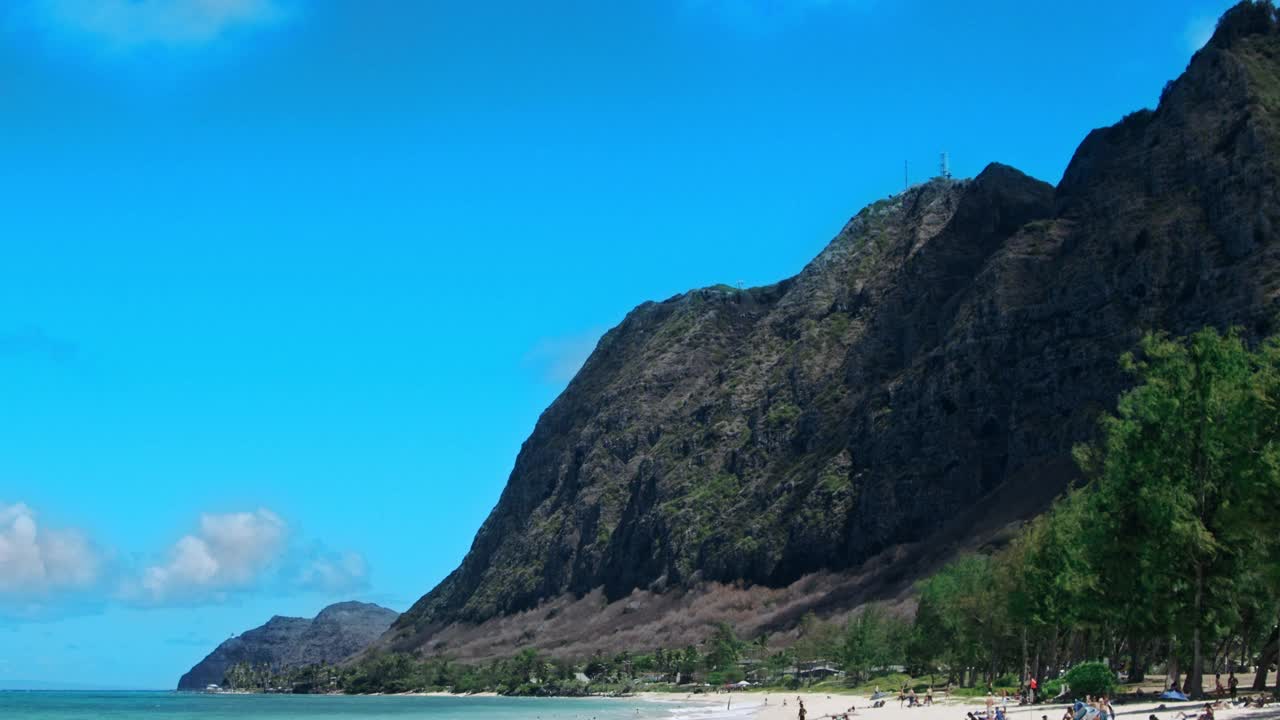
(333, 573)
(230, 551)
(558, 359)
(47, 574)
(37, 561)
(129, 24)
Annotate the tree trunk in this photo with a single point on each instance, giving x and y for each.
(991, 675)
(1264, 667)
(1194, 687)
(1052, 665)
(1173, 672)
(1037, 670)
(1137, 673)
(1260, 678)
(1026, 668)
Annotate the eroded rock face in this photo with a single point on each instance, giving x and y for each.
(337, 633)
(927, 374)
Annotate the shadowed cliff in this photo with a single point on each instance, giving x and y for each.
(917, 387)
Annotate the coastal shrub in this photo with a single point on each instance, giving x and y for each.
(1090, 678)
(1051, 689)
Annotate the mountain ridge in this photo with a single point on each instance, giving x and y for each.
(336, 633)
(920, 383)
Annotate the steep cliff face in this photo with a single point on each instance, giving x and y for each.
(338, 632)
(925, 377)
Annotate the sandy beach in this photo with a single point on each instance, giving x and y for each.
(822, 706)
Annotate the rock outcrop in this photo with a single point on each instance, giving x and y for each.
(923, 379)
(335, 634)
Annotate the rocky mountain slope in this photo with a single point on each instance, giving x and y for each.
(920, 384)
(335, 634)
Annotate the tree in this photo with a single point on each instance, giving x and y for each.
(723, 649)
(687, 664)
(1091, 678)
(1181, 445)
(872, 640)
(818, 640)
(1044, 575)
(963, 615)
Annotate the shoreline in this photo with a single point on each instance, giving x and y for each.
(782, 705)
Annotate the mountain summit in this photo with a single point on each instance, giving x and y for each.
(335, 634)
(918, 386)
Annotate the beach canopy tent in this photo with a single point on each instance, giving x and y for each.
(1174, 695)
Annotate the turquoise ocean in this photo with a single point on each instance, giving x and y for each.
(199, 706)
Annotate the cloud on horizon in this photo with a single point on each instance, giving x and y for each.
(229, 552)
(54, 573)
(242, 552)
(332, 573)
(37, 561)
(125, 25)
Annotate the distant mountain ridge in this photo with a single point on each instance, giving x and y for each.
(919, 385)
(333, 635)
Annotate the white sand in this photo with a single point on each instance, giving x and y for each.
(821, 706)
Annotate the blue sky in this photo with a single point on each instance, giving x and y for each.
(286, 284)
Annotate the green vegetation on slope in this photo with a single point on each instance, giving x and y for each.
(1169, 554)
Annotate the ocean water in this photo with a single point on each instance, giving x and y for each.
(199, 706)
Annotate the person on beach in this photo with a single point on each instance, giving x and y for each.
(1218, 689)
(1233, 684)
(1208, 712)
(802, 712)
